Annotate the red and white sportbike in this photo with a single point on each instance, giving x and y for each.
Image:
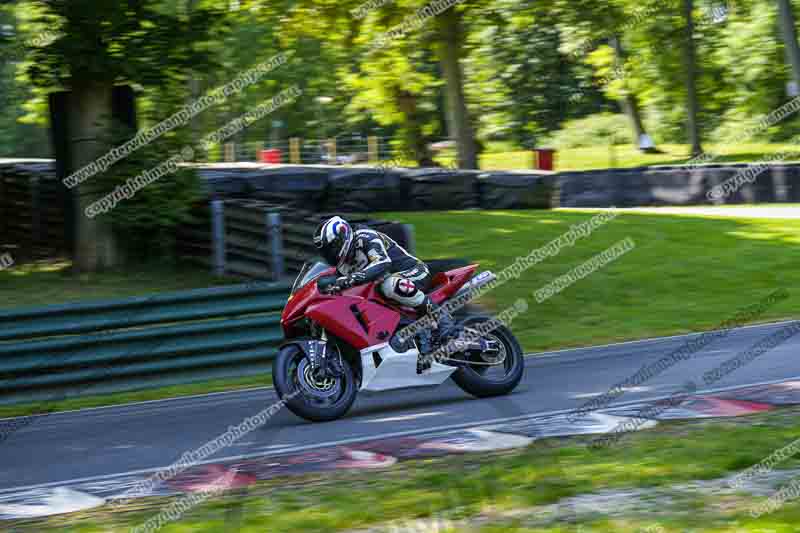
(339, 344)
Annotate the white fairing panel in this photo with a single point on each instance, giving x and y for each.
(398, 370)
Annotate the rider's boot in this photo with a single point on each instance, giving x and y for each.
(425, 357)
(424, 341)
(445, 325)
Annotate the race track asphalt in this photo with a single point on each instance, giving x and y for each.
(98, 444)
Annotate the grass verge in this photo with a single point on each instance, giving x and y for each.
(52, 282)
(121, 398)
(686, 274)
(502, 157)
(510, 491)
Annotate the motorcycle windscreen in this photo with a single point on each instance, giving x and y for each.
(358, 322)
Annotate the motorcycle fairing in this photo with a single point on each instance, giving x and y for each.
(362, 318)
(446, 284)
(359, 322)
(296, 305)
(384, 368)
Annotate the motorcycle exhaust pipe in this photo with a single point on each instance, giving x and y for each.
(471, 288)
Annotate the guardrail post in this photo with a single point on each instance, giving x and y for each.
(780, 182)
(275, 239)
(332, 159)
(408, 230)
(218, 236)
(36, 212)
(294, 150)
(229, 152)
(372, 149)
(3, 206)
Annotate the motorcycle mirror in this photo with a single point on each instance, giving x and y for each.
(324, 283)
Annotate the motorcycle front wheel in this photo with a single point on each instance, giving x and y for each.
(496, 375)
(317, 400)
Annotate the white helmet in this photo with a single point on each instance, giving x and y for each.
(334, 239)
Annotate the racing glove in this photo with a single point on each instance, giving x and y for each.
(343, 283)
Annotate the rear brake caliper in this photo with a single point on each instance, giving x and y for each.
(490, 347)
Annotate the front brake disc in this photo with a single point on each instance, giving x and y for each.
(314, 386)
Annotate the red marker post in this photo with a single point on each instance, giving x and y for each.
(544, 159)
(273, 156)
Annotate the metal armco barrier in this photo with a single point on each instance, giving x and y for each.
(259, 239)
(63, 351)
(253, 241)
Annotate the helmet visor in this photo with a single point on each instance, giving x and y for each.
(331, 254)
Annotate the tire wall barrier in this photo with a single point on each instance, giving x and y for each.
(660, 186)
(506, 190)
(330, 189)
(364, 190)
(52, 353)
(32, 207)
(32, 217)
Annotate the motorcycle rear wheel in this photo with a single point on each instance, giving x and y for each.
(472, 378)
(307, 397)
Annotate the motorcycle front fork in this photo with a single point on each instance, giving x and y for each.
(325, 363)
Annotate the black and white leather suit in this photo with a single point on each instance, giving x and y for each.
(377, 257)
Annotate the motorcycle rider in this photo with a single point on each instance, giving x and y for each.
(365, 255)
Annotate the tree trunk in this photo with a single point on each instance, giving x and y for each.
(89, 121)
(629, 103)
(690, 64)
(458, 119)
(790, 39)
(415, 138)
(193, 86)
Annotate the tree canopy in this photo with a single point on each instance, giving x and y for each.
(502, 70)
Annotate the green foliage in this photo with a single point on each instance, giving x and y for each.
(522, 78)
(151, 46)
(603, 128)
(528, 66)
(21, 134)
(753, 83)
(116, 41)
(146, 222)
